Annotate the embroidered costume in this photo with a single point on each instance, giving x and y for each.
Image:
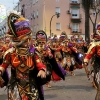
(94, 54)
(27, 70)
(48, 58)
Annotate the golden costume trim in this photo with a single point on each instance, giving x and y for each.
(93, 44)
(8, 51)
(37, 60)
(2, 69)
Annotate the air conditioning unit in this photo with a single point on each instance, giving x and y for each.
(68, 11)
(69, 26)
(33, 15)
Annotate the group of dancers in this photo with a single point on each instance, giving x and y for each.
(36, 62)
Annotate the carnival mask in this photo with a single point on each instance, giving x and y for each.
(41, 45)
(41, 38)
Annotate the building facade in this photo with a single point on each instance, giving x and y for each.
(42, 13)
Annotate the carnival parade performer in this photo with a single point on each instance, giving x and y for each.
(43, 49)
(28, 73)
(5, 75)
(56, 49)
(70, 54)
(94, 53)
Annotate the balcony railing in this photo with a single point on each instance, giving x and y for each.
(76, 16)
(77, 31)
(74, 3)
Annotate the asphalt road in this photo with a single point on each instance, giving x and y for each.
(76, 87)
(73, 88)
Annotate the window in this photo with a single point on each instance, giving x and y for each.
(74, 1)
(58, 27)
(33, 2)
(36, 0)
(37, 14)
(57, 9)
(28, 17)
(75, 27)
(29, 3)
(0, 32)
(34, 15)
(34, 29)
(23, 10)
(57, 0)
(75, 13)
(37, 27)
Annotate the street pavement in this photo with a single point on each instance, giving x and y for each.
(76, 87)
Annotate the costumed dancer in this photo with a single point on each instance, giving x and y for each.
(81, 47)
(94, 53)
(53, 68)
(5, 75)
(70, 55)
(28, 73)
(68, 58)
(73, 40)
(56, 49)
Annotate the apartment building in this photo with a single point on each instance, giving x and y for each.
(42, 13)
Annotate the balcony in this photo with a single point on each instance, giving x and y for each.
(74, 3)
(76, 18)
(76, 31)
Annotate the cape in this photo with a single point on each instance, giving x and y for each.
(52, 65)
(5, 74)
(77, 59)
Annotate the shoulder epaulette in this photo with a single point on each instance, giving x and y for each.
(8, 51)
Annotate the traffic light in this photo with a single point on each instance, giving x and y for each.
(58, 15)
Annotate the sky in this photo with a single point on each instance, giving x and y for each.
(9, 4)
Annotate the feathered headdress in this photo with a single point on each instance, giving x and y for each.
(18, 26)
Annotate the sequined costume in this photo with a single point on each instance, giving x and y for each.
(94, 54)
(56, 49)
(27, 70)
(53, 68)
(70, 54)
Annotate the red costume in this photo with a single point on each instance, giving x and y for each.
(94, 54)
(27, 70)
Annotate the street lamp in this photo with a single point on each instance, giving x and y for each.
(58, 15)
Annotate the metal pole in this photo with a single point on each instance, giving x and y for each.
(50, 23)
(44, 17)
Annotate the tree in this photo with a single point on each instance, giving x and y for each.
(96, 10)
(87, 4)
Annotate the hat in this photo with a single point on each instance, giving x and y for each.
(18, 26)
(96, 35)
(98, 26)
(63, 36)
(41, 36)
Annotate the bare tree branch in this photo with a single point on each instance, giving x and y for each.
(91, 19)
